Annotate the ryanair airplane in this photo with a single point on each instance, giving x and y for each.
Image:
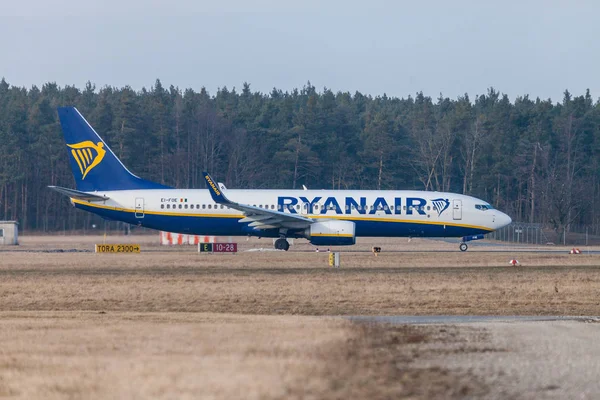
(324, 217)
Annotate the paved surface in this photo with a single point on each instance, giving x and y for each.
(492, 249)
(538, 360)
(520, 357)
(460, 319)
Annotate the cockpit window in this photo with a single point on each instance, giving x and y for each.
(483, 207)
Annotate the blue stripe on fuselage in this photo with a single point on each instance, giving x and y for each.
(223, 226)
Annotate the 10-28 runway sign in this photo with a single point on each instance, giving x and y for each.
(217, 247)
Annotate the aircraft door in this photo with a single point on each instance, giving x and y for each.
(457, 209)
(139, 207)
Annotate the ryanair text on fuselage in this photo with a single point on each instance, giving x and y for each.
(350, 204)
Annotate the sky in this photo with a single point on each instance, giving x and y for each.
(399, 48)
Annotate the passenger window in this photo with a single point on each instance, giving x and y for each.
(222, 206)
(203, 206)
(209, 206)
(162, 206)
(168, 206)
(391, 207)
(297, 207)
(180, 206)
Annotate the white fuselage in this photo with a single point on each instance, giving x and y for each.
(376, 213)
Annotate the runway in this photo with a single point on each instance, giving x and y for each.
(517, 357)
(481, 248)
(466, 319)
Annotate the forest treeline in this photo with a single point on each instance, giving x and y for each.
(537, 160)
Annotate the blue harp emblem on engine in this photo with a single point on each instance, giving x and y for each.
(87, 155)
(440, 205)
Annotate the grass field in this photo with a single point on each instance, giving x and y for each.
(177, 324)
(50, 355)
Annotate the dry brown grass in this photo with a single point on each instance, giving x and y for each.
(179, 355)
(84, 325)
(127, 355)
(151, 242)
(301, 283)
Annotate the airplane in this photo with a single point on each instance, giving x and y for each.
(325, 217)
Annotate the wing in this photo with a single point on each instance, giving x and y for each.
(76, 194)
(258, 218)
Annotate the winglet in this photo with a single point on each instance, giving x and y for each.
(217, 194)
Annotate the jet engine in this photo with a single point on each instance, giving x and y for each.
(331, 233)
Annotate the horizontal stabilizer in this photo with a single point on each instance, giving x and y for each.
(76, 194)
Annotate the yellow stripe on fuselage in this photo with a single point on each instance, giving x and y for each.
(239, 216)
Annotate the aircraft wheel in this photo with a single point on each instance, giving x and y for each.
(463, 247)
(282, 244)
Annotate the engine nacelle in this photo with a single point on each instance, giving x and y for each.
(331, 233)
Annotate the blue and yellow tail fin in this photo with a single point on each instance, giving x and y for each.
(95, 167)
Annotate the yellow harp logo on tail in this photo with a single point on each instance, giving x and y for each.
(87, 155)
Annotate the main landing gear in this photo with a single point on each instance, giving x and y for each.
(282, 244)
(463, 247)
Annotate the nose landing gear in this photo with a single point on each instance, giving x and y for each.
(463, 246)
